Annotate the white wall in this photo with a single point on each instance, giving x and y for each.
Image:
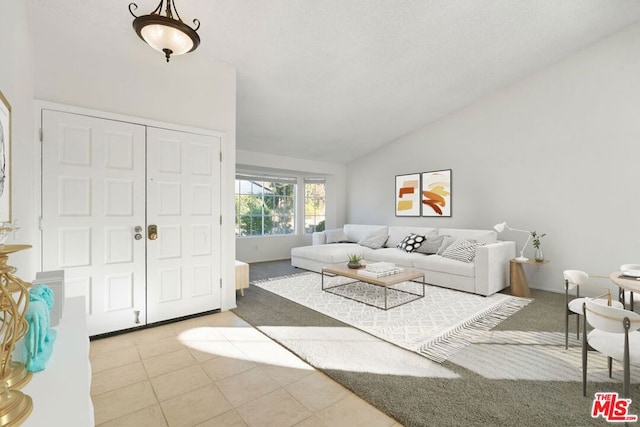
(555, 153)
(257, 249)
(16, 83)
(134, 80)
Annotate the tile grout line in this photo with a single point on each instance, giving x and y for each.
(261, 365)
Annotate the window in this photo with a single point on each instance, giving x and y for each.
(265, 205)
(314, 202)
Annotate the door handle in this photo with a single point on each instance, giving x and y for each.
(152, 232)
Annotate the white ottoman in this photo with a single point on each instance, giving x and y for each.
(242, 276)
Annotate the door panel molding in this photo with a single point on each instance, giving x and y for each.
(92, 185)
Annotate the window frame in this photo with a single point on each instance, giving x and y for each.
(266, 200)
(316, 227)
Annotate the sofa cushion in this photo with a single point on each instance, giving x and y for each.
(444, 265)
(375, 239)
(356, 232)
(462, 250)
(394, 255)
(480, 236)
(330, 254)
(411, 242)
(336, 236)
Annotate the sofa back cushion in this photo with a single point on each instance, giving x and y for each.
(480, 236)
(375, 239)
(336, 236)
(397, 233)
(357, 232)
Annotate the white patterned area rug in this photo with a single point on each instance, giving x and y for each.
(541, 356)
(436, 326)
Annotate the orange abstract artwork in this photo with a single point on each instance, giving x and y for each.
(408, 195)
(436, 193)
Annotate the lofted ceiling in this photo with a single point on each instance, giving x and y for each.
(330, 80)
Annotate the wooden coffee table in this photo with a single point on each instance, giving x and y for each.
(409, 274)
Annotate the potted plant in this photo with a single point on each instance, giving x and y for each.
(354, 260)
(539, 255)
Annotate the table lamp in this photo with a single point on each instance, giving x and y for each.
(502, 226)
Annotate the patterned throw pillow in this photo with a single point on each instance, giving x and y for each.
(462, 250)
(411, 242)
(375, 239)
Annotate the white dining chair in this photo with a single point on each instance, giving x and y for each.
(614, 334)
(573, 281)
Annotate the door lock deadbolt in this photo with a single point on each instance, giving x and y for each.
(153, 232)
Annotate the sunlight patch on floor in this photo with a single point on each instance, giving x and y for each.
(240, 343)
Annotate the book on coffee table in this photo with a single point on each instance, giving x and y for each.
(377, 274)
(380, 269)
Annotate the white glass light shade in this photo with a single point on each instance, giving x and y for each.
(161, 37)
(165, 33)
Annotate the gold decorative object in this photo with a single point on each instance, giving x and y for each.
(15, 406)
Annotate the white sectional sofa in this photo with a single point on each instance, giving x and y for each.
(486, 274)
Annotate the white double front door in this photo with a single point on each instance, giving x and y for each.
(131, 213)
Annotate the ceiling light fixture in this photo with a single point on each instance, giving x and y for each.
(166, 33)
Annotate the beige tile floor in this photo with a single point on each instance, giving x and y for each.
(215, 370)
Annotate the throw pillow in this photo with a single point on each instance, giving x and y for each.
(433, 233)
(336, 236)
(375, 239)
(411, 242)
(446, 242)
(431, 245)
(462, 250)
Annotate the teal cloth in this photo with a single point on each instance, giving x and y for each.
(40, 337)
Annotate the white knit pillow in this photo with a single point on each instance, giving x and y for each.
(336, 236)
(375, 239)
(431, 244)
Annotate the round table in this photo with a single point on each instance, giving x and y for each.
(625, 284)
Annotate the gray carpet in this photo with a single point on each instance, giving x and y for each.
(470, 400)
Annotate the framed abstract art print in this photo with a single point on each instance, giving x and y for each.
(407, 197)
(436, 193)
